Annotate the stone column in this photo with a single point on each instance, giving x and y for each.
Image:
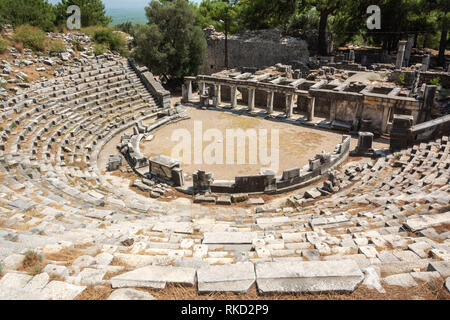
(364, 147)
(233, 96)
(408, 49)
(310, 107)
(201, 88)
(184, 97)
(270, 95)
(186, 90)
(332, 111)
(364, 60)
(428, 102)
(189, 90)
(289, 105)
(400, 54)
(385, 120)
(351, 56)
(251, 99)
(217, 97)
(425, 63)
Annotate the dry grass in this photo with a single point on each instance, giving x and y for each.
(32, 263)
(83, 246)
(442, 228)
(425, 291)
(95, 293)
(67, 255)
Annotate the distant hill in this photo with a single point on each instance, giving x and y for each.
(135, 15)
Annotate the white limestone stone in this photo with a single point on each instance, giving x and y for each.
(130, 294)
(154, 277)
(308, 276)
(226, 278)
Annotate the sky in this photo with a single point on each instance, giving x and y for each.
(132, 4)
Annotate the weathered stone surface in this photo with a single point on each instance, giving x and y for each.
(425, 276)
(426, 221)
(227, 278)
(312, 193)
(56, 270)
(154, 277)
(308, 276)
(13, 261)
(372, 279)
(443, 267)
(229, 237)
(130, 294)
(58, 290)
(404, 280)
(179, 227)
(90, 276)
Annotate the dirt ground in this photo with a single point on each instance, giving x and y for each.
(296, 144)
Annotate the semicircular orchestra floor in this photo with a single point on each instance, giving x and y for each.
(293, 147)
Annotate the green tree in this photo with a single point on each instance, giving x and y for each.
(263, 14)
(38, 13)
(442, 8)
(222, 14)
(93, 12)
(172, 45)
(325, 8)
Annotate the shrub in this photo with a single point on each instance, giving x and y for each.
(32, 262)
(56, 46)
(401, 79)
(1, 269)
(436, 81)
(31, 37)
(114, 40)
(77, 45)
(3, 45)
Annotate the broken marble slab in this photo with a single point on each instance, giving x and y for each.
(100, 214)
(308, 276)
(154, 277)
(236, 278)
(229, 240)
(130, 294)
(177, 227)
(404, 280)
(58, 290)
(425, 221)
(443, 267)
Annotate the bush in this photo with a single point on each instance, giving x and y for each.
(32, 263)
(436, 82)
(77, 45)
(100, 48)
(114, 40)
(401, 79)
(3, 45)
(37, 13)
(31, 37)
(56, 46)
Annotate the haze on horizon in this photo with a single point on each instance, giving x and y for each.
(118, 4)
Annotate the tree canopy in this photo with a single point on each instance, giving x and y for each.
(171, 44)
(93, 12)
(344, 20)
(38, 13)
